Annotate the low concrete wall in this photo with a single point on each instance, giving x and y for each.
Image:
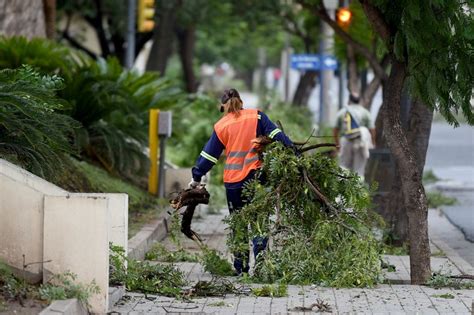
(59, 231)
(21, 223)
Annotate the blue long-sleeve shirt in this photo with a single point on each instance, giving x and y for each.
(214, 147)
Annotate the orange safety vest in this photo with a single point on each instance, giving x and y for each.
(236, 132)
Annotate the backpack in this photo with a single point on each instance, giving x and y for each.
(352, 126)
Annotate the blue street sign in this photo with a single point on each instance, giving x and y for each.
(305, 62)
(329, 62)
(313, 62)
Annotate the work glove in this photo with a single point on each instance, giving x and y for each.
(193, 183)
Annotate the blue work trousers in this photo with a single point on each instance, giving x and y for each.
(235, 202)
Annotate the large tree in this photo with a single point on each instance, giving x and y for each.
(108, 19)
(22, 17)
(438, 72)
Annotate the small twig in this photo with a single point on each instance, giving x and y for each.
(469, 277)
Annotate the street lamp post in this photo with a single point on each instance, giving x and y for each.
(130, 52)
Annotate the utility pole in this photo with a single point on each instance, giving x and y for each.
(131, 22)
(327, 111)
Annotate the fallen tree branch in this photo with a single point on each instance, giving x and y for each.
(316, 146)
(190, 198)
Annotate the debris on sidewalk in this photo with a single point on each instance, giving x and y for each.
(316, 215)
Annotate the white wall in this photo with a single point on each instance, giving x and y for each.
(60, 231)
(21, 217)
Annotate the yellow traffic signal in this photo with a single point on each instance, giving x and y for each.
(344, 17)
(146, 15)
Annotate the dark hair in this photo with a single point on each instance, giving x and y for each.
(354, 99)
(228, 94)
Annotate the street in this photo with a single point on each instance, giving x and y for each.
(451, 158)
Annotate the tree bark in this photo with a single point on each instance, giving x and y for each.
(305, 86)
(411, 178)
(186, 40)
(22, 18)
(163, 36)
(353, 82)
(50, 18)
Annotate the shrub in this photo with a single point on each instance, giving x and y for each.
(33, 132)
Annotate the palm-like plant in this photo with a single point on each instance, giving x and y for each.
(44, 55)
(32, 132)
(109, 102)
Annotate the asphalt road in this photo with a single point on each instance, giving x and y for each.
(451, 157)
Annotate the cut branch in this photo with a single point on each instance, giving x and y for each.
(316, 146)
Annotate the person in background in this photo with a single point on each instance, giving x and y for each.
(354, 133)
(234, 133)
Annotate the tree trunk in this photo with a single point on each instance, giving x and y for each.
(353, 82)
(369, 93)
(22, 18)
(186, 40)
(372, 88)
(305, 87)
(412, 188)
(50, 18)
(163, 36)
(97, 23)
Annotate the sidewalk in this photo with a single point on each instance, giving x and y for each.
(385, 298)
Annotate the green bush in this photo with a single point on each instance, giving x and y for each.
(33, 133)
(46, 56)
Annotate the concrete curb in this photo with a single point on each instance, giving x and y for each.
(65, 307)
(142, 241)
(453, 256)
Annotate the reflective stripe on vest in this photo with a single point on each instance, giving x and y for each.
(236, 132)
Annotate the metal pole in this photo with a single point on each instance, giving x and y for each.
(161, 173)
(342, 73)
(130, 53)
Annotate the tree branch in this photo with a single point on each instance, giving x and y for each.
(321, 11)
(292, 27)
(74, 43)
(374, 85)
(375, 18)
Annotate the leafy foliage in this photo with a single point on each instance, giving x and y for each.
(277, 290)
(144, 277)
(214, 264)
(160, 253)
(59, 287)
(33, 132)
(11, 288)
(64, 286)
(440, 72)
(313, 241)
(437, 199)
(44, 55)
(444, 280)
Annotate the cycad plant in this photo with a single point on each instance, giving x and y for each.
(112, 105)
(32, 131)
(45, 56)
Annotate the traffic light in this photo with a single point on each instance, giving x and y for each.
(343, 17)
(146, 15)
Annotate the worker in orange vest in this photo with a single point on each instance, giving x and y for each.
(234, 133)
